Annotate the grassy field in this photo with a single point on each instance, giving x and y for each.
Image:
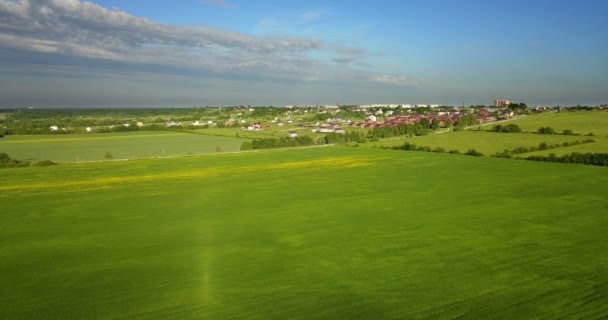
(91, 147)
(329, 233)
(482, 141)
(490, 142)
(581, 122)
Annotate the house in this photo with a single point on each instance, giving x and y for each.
(140, 124)
(88, 129)
(54, 128)
(372, 118)
(126, 125)
(340, 131)
(196, 123)
(293, 134)
(280, 124)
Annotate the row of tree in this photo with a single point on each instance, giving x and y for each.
(7, 162)
(594, 159)
(541, 146)
(417, 129)
(272, 143)
(353, 136)
(412, 147)
(510, 128)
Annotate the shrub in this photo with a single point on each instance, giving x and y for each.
(108, 155)
(473, 152)
(4, 158)
(546, 130)
(246, 145)
(45, 163)
(568, 132)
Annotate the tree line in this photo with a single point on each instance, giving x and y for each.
(7, 162)
(594, 159)
(541, 146)
(272, 143)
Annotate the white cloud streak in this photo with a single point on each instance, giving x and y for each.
(85, 30)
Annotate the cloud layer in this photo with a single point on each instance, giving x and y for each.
(71, 30)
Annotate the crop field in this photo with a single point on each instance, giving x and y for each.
(92, 147)
(324, 233)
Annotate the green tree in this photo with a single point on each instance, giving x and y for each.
(425, 123)
(246, 145)
(435, 124)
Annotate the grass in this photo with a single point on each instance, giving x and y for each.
(490, 142)
(485, 142)
(92, 147)
(330, 233)
(580, 122)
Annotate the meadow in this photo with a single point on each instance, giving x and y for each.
(580, 122)
(131, 145)
(325, 233)
(489, 143)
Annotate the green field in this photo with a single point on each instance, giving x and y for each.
(326, 233)
(581, 122)
(482, 141)
(489, 143)
(133, 145)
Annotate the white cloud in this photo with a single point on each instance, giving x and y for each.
(395, 80)
(72, 32)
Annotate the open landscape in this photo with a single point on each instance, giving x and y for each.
(338, 232)
(316, 233)
(236, 159)
(117, 146)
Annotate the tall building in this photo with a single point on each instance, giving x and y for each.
(502, 103)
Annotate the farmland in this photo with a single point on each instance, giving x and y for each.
(488, 143)
(131, 145)
(580, 122)
(328, 233)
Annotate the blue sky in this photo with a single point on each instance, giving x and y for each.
(133, 53)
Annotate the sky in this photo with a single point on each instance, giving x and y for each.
(192, 53)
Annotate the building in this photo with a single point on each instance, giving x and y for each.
(293, 134)
(502, 103)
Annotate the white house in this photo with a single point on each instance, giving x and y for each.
(372, 118)
(88, 129)
(54, 128)
(293, 134)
